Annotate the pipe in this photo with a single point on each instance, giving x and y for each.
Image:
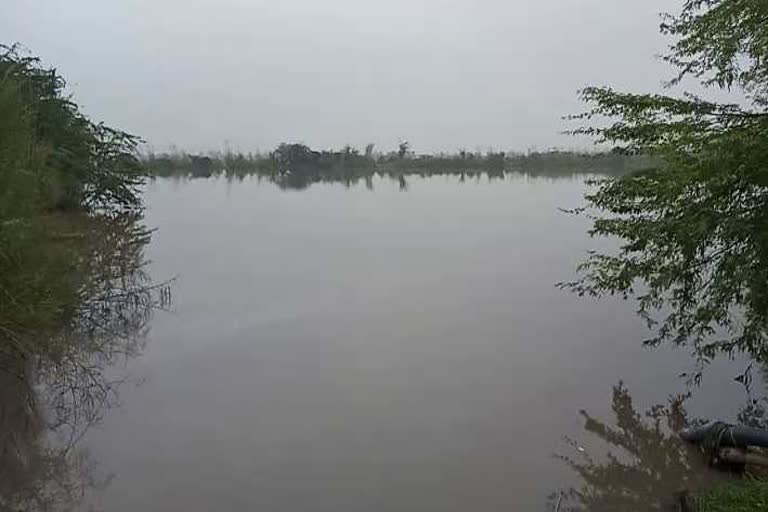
(719, 434)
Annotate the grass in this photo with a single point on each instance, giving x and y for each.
(742, 496)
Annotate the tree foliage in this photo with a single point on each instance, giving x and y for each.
(51, 154)
(694, 227)
(723, 43)
(52, 158)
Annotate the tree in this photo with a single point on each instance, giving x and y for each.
(51, 153)
(694, 226)
(402, 149)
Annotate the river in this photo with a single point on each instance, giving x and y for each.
(354, 348)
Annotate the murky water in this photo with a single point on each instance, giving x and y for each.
(350, 349)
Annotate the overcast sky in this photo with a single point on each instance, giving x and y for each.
(442, 74)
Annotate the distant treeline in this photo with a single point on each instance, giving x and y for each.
(297, 166)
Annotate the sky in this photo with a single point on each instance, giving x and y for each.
(205, 75)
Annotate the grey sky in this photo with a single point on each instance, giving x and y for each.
(442, 74)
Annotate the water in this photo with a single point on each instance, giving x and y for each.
(350, 349)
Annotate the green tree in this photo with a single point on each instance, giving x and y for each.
(694, 226)
(52, 156)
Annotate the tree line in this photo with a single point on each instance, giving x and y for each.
(307, 165)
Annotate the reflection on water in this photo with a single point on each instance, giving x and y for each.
(50, 398)
(647, 466)
(636, 462)
(292, 180)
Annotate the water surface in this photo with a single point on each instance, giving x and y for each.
(340, 348)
